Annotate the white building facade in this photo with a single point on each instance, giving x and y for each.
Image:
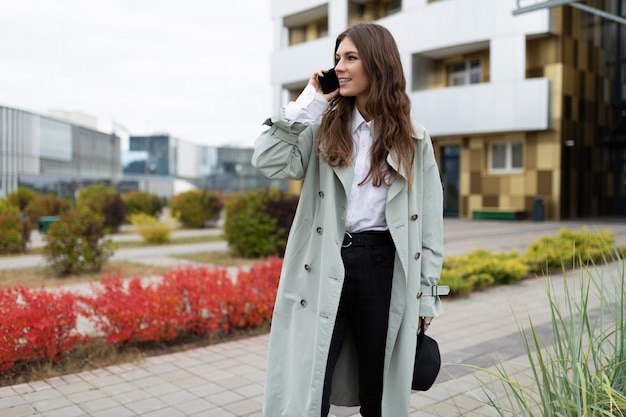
(491, 88)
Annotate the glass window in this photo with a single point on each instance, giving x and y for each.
(464, 73)
(498, 156)
(516, 155)
(506, 157)
(55, 140)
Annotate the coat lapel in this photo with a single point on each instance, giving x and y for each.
(345, 175)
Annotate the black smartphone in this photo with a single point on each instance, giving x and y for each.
(329, 81)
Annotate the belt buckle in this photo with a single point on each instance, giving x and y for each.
(349, 243)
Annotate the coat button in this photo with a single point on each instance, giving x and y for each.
(419, 295)
(414, 217)
(320, 230)
(417, 256)
(307, 267)
(321, 194)
(303, 303)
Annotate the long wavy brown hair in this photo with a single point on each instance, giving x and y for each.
(387, 103)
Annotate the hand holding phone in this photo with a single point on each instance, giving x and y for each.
(329, 81)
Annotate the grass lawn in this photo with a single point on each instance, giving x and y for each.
(35, 277)
(221, 258)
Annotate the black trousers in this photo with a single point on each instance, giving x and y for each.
(364, 311)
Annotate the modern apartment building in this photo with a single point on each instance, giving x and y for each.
(52, 155)
(525, 110)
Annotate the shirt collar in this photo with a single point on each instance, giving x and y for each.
(358, 120)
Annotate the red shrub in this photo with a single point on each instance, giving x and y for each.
(36, 324)
(205, 296)
(40, 324)
(255, 294)
(133, 312)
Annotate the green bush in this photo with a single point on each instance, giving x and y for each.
(45, 205)
(567, 249)
(152, 229)
(105, 201)
(75, 243)
(142, 202)
(15, 233)
(194, 208)
(481, 269)
(257, 222)
(21, 197)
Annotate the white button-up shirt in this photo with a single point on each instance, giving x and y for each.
(366, 203)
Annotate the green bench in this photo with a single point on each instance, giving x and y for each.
(496, 214)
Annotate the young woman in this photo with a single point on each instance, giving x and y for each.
(365, 247)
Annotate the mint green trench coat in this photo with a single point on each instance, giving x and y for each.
(313, 273)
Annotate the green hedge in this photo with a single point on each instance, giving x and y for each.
(257, 222)
(14, 230)
(194, 208)
(481, 269)
(569, 248)
(75, 243)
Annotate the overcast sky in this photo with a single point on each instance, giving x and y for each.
(197, 69)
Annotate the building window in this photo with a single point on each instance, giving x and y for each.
(464, 73)
(506, 157)
(307, 26)
(370, 10)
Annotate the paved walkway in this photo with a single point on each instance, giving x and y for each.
(226, 380)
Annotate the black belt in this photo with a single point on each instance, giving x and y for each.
(370, 238)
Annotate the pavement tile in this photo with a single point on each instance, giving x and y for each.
(119, 411)
(22, 388)
(233, 382)
(100, 404)
(131, 396)
(147, 405)
(8, 402)
(69, 411)
(119, 388)
(206, 389)
(56, 382)
(72, 388)
(162, 389)
(224, 397)
(21, 410)
(85, 396)
(244, 407)
(6, 392)
(177, 397)
(191, 382)
(51, 404)
(106, 380)
(218, 412)
(195, 406)
(149, 381)
(166, 412)
(32, 397)
(39, 385)
(135, 374)
(250, 390)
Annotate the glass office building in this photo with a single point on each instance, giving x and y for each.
(54, 156)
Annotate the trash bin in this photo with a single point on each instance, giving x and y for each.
(538, 210)
(44, 222)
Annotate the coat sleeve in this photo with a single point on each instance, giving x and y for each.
(432, 231)
(283, 150)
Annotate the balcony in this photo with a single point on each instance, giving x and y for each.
(519, 105)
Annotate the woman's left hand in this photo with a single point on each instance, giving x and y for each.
(426, 321)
